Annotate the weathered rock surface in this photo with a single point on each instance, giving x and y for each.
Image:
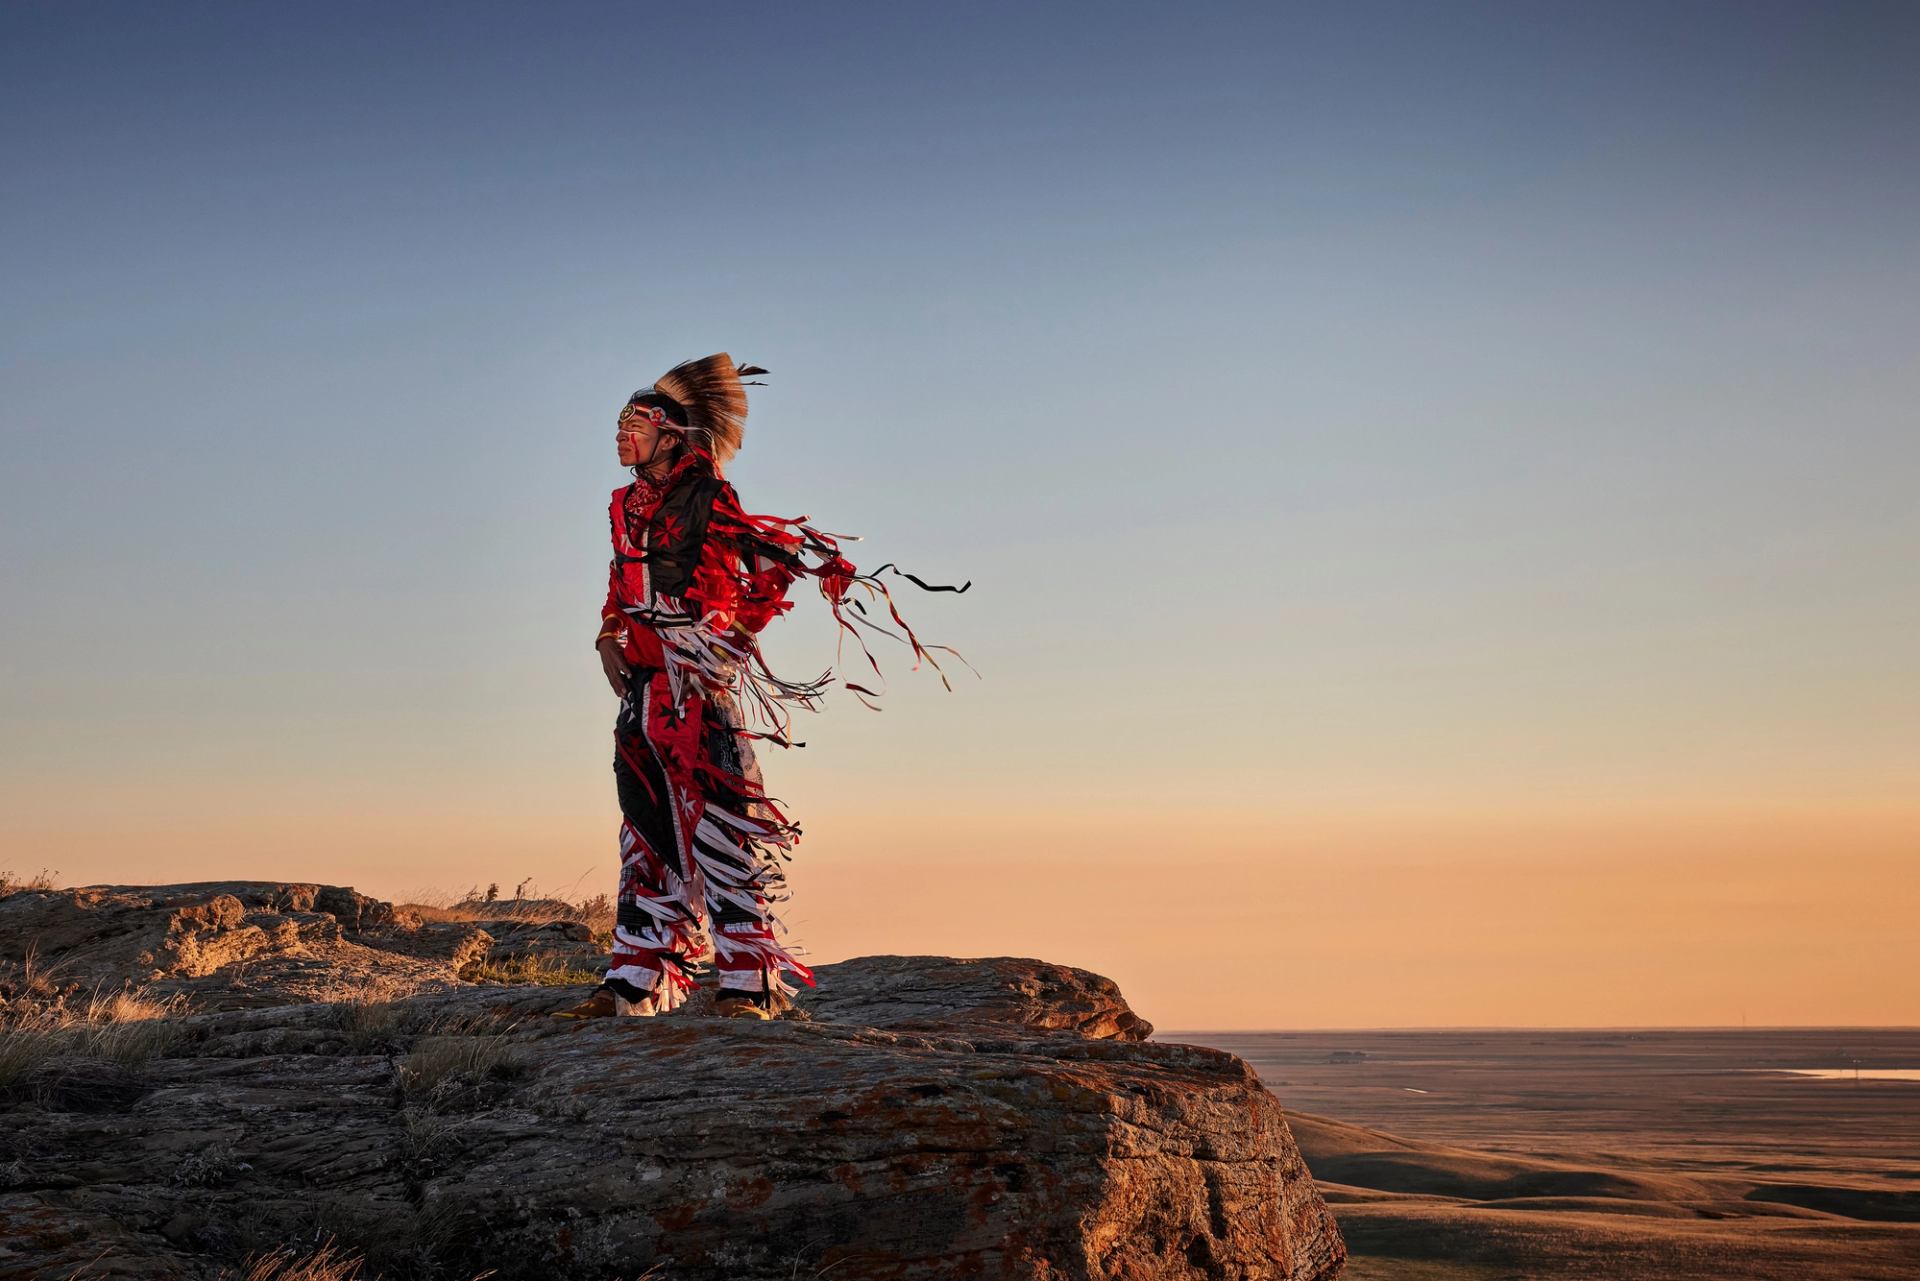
(239, 944)
(230, 944)
(914, 1117)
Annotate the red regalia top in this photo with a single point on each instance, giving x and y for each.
(716, 587)
(695, 577)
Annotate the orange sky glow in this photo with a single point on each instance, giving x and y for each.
(1244, 919)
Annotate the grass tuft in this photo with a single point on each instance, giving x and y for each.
(287, 1264)
(12, 882)
(437, 1059)
(528, 906)
(126, 1027)
(370, 1024)
(536, 968)
(461, 1061)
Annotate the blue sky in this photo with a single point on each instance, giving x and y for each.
(1397, 408)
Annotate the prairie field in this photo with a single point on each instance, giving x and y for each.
(1630, 1154)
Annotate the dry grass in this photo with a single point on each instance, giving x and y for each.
(428, 1140)
(469, 1024)
(461, 1059)
(537, 968)
(362, 988)
(286, 1264)
(12, 882)
(436, 1059)
(527, 906)
(126, 1027)
(129, 1005)
(370, 1023)
(34, 994)
(29, 984)
(328, 1263)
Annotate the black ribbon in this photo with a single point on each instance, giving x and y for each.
(922, 583)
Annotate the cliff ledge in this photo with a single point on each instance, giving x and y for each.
(325, 1072)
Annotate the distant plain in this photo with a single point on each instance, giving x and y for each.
(1683, 1155)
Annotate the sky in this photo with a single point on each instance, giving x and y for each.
(1437, 482)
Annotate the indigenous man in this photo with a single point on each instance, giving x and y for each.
(694, 579)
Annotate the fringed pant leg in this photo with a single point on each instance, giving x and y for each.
(739, 842)
(657, 937)
(700, 845)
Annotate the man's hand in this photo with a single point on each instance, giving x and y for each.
(614, 664)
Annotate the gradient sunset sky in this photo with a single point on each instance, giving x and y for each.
(1439, 481)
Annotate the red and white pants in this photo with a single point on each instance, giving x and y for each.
(700, 848)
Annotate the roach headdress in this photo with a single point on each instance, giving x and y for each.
(711, 396)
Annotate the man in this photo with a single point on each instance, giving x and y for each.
(694, 579)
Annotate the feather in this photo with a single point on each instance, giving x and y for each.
(715, 402)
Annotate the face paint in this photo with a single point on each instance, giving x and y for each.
(642, 430)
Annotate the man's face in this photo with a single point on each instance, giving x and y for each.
(639, 435)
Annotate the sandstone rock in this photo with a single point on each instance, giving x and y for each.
(913, 1117)
(951, 992)
(234, 943)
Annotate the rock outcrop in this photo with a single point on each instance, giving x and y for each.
(232, 944)
(912, 1117)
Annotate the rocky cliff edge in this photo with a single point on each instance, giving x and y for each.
(323, 1071)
